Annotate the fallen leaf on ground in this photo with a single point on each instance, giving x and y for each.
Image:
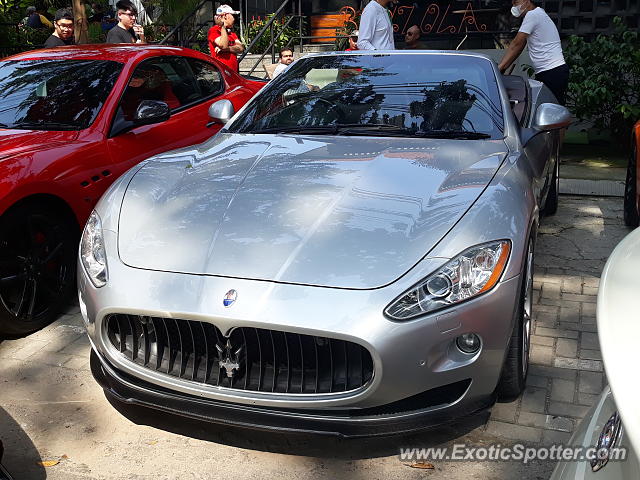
(422, 465)
(48, 463)
(152, 442)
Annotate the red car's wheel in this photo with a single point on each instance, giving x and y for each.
(631, 217)
(37, 274)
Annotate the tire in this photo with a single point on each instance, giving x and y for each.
(551, 203)
(631, 217)
(516, 365)
(37, 267)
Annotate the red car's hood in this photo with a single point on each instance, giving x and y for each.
(14, 141)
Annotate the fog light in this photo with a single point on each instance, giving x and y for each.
(468, 343)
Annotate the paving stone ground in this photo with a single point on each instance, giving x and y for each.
(52, 409)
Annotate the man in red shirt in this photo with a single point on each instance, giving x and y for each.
(224, 45)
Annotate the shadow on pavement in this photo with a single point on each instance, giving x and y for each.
(299, 444)
(20, 455)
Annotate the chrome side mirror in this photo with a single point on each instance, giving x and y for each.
(221, 111)
(551, 116)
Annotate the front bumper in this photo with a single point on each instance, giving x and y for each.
(126, 389)
(409, 358)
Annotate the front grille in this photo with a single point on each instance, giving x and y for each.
(258, 360)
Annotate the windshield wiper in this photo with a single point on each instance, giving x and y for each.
(45, 126)
(379, 129)
(455, 134)
(311, 130)
(336, 129)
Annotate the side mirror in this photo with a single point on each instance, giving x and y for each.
(151, 111)
(551, 116)
(221, 111)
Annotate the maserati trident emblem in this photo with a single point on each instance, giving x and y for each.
(228, 360)
(230, 298)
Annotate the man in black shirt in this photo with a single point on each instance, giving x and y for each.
(63, 33)
(127, 30)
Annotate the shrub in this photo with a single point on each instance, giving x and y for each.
(95, 33)
(605, 79)
(286, 38)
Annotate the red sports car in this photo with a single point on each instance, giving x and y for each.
(73, 119)
(631, 191)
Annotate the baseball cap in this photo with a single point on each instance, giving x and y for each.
(222, 9)
(355, 33)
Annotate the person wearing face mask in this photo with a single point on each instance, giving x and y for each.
(541, 35)
(376, 30)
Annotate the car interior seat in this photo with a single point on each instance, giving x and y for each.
(518, 92)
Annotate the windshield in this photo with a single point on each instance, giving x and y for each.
(54, 94)
(450, 96)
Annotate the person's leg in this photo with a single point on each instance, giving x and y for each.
(557, 80)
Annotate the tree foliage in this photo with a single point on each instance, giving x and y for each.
(604, 83)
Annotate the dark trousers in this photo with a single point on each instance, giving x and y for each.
(557, 80)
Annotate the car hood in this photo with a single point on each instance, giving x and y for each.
(347, 212)
(13, 142)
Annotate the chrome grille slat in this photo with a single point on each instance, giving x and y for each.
(286, 347)
(246, 356)
(147, 343)
(268, 360)
(331, 365)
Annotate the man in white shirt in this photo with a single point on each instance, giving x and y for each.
(376, 30)
(286, 59)
(540, 33)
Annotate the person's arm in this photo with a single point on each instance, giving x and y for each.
(222, 42)
(513, 52)
(367, 30)
(139, 31)
(237, 48)
(45, 21)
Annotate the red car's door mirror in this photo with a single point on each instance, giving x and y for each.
(151, 111)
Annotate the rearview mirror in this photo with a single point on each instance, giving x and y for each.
(151, 111)
(221, 111)
(551, 116)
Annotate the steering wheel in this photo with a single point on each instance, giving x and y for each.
(340, 117)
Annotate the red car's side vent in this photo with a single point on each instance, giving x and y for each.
(95, 178)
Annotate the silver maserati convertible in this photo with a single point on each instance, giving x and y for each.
(352, 254)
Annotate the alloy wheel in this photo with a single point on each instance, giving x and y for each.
(35, 268)
(527, 311)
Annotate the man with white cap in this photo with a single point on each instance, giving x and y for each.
(224, 45)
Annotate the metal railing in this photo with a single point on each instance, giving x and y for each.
(288, 14)
(276, 26)
(185, 31)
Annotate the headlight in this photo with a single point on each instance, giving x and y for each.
(92, 251)
(470, 274)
